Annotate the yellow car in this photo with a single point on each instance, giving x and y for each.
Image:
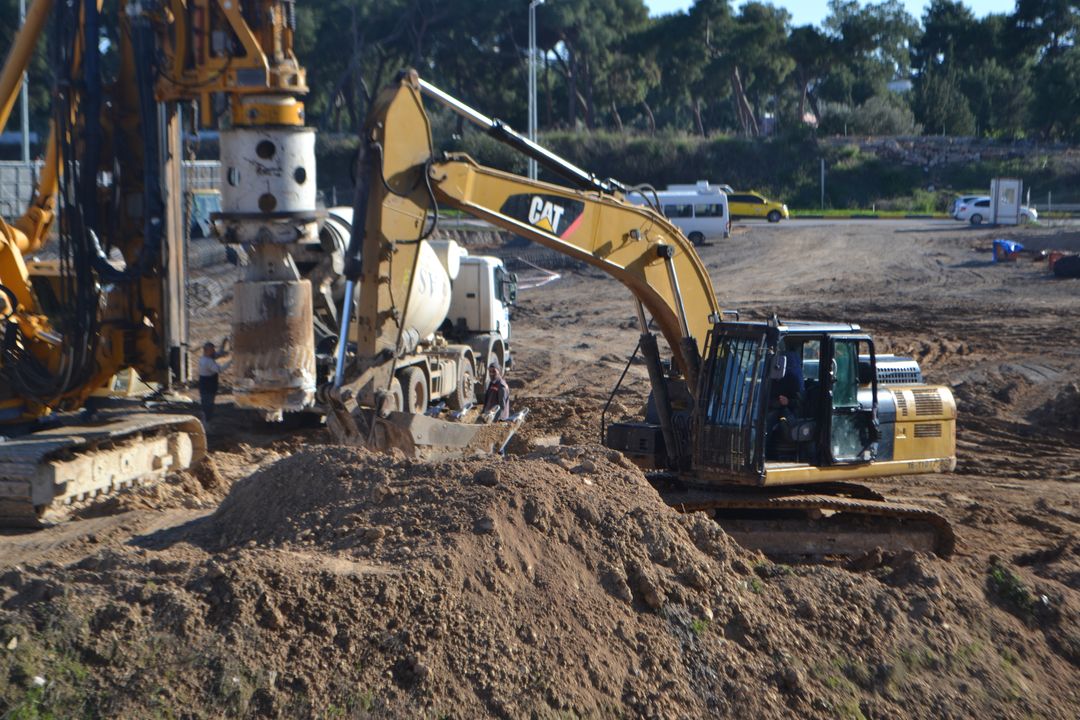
(752, 205)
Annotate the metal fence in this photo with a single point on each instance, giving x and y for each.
(17, 181)
(202, 175)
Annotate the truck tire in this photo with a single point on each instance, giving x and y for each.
(696, 238)
(414, 390)
(393, 400)
(773, 216)
(465, 392)
(976, 219)
(492, 351)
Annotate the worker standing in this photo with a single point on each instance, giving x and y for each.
(209, 372)
(497, 397)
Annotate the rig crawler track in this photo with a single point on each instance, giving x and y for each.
(49, 469)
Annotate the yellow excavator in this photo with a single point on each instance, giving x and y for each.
(110, 190)
(765, 425)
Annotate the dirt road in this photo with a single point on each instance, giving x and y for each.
(553, 585)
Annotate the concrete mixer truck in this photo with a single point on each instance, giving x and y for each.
(454, 323)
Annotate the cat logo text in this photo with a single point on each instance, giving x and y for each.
(545, 214)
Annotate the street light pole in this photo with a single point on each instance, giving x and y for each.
(532, 80)
(25, 97)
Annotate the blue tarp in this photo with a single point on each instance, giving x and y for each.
(1005, 249)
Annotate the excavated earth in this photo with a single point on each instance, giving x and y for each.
(292, 578)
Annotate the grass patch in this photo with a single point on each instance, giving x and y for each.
(767, 570)
(849, 213)
(45, 676)
(835, 676)
(1009, 590)
(920, 658)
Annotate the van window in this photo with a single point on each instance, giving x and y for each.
(679, 211)
(712, 210)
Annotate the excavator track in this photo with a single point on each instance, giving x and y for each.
(838, 519)
(45, 471)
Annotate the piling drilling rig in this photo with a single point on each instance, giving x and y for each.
(128, 75)
(236, 60)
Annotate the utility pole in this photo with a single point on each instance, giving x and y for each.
(532, 80)
(25, 97)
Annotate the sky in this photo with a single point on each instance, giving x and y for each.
(812, 12)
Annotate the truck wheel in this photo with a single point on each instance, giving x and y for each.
(696, 238)
(414, 390)
(773, 216)
(393, 400)
(465, 392)
(492, 352)
(976, 219)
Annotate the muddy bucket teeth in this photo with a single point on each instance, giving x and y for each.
(424, 437)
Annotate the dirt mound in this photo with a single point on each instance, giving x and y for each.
(556, 584)
(1062, 412)
(570, 420)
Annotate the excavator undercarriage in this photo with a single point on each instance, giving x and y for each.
(839, 519)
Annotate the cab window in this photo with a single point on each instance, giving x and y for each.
(846, 379)
(711, 210)
(852, 426)
(506, 285)
(735, 382)
(811, 354)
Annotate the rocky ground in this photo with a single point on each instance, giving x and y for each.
(292, 578)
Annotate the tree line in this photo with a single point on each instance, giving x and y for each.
(869, 68)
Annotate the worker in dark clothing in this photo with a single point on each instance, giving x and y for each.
(497, 397)
(209, 370)
(785, 398)
(787, 390)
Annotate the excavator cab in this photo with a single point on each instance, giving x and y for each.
(781, 396)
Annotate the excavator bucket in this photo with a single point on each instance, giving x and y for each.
(420, 436)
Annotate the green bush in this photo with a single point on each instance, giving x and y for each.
(785, 168)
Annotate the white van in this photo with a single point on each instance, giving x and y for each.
(700, 211)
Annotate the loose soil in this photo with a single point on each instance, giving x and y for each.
(293, 578)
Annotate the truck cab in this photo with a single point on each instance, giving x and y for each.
(479, 315)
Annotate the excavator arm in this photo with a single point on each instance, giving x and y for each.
(401, 185)
(636, 245)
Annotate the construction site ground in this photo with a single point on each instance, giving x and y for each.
(291, 578)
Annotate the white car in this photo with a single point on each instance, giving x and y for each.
(977, 210)
(963, 200)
